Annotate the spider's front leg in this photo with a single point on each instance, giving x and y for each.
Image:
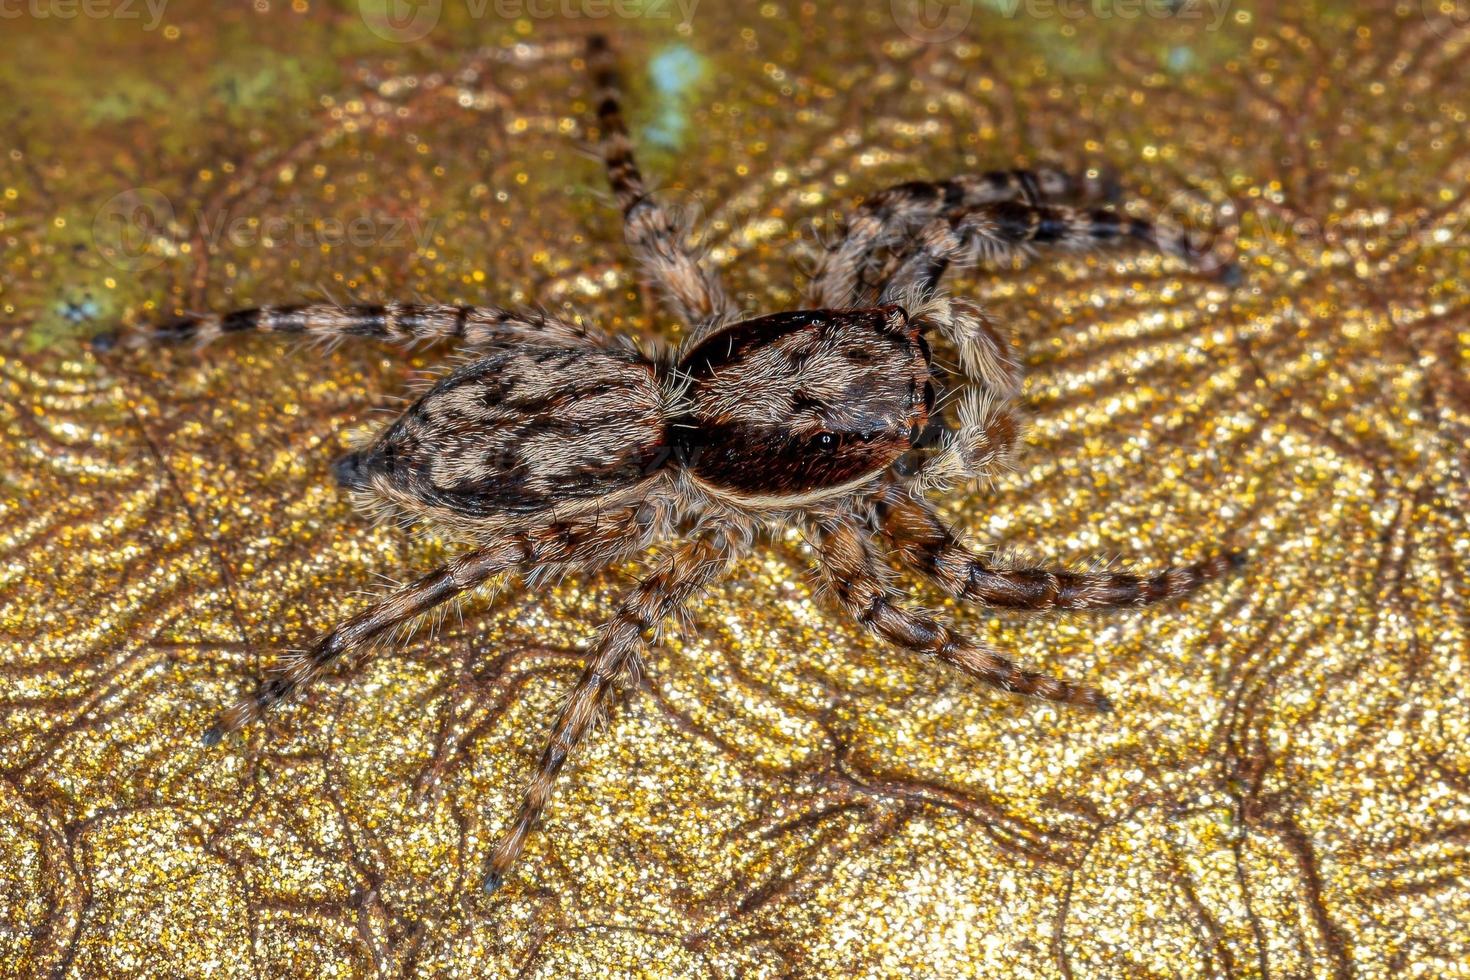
(893, 215)
(850, 567)
(1011, 228)
(988, 426)
(655, 237)
(926, 544)
(398, 323)
(676, 580)
(606, 536)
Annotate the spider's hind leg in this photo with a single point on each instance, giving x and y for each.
(926, 544)
(655, 237)
(402, 606)
(590, 542)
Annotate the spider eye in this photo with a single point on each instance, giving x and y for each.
(827, 440)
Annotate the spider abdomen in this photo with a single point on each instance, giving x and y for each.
(522, 430)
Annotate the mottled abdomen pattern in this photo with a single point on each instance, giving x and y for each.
(520, 431)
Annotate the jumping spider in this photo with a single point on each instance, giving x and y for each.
(561, 449)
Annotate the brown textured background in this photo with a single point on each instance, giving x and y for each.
(1285, 789)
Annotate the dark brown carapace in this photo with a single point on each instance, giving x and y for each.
(560, 449)
(789, 408)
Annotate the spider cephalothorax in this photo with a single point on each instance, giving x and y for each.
(560, 449)
(794, 407)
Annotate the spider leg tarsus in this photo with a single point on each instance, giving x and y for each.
(103, 342)
(212, 737)
(174, 330)
(493, 881)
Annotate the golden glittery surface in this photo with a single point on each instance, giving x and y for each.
(1285, 788)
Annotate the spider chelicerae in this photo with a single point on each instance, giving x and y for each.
(562, 449)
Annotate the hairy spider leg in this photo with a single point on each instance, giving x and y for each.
(679, 577)
(550, 544)
(399, 323)
(1012, 228)
(656, 239)
(925, 543)
(988, 427)
(850, 567)
(887, 220)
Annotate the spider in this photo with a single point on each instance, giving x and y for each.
(561, 449)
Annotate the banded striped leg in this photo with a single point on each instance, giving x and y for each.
(999, 231)
(657, 240)
(926, 544)
(402, 606)
(851, 568)
(677, 579)
(892, 216)
(599, 540)
(399, 323)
